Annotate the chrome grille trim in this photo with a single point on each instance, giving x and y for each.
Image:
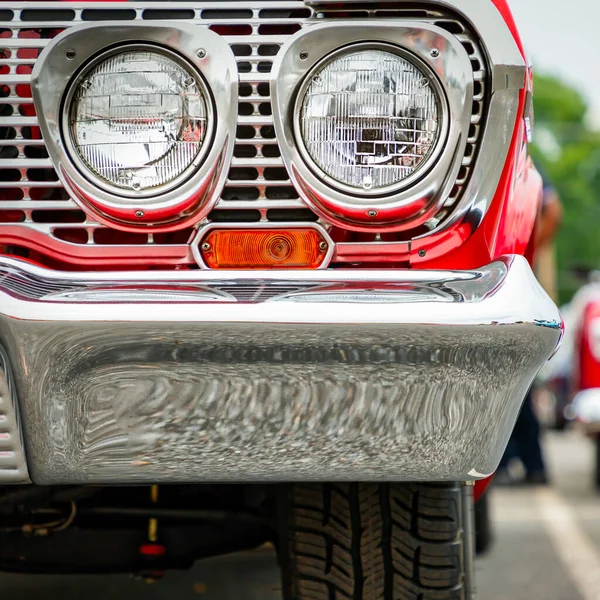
(13, 465)
(32, 287)
(263, 191)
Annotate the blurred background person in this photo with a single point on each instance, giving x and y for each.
(524, 443)
(549, 223)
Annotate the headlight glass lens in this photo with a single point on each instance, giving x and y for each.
(138, 119)
(369, 119)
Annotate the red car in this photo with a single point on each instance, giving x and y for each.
(264, 276)
(585, 408)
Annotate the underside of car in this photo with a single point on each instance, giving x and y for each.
(329, 537)
(143, 530)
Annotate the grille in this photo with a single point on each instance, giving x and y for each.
(13, 467)
(37, 214)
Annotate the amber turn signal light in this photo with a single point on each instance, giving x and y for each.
(264, 249)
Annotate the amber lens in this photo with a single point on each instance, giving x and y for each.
(263, 249)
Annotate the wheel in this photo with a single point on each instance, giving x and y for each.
(483, 525)
(364, 541)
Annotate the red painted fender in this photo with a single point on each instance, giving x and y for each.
(480, 486)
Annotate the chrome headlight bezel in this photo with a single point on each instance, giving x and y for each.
(409, 204)
(67, 132)
(428, 161)
(197, 189)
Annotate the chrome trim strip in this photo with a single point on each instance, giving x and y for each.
(13, 465)
(52, 78)
(413, 205)
(266, 376)
(13, 266)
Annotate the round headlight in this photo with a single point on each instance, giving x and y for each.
(369, 119)
(138, 120)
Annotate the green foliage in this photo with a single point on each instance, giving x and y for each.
(556, 102)
(569, 152)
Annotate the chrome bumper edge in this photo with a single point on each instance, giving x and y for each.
(226, 376)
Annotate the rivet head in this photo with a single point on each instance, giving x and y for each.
(139, 213)
(435, 53)
(372, 213)
(206, 247)
(201, 53)
(303, 55)
(70, 54)
(422, 252)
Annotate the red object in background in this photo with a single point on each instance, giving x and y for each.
(588, 348)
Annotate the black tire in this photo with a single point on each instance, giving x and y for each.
(363, 541)
(483, 525)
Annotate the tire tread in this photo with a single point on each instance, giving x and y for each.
(364, 541)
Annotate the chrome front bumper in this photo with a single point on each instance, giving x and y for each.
(261, 376)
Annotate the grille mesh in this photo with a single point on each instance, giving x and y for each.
(35, 210)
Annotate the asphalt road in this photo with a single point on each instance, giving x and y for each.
(547, 547)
